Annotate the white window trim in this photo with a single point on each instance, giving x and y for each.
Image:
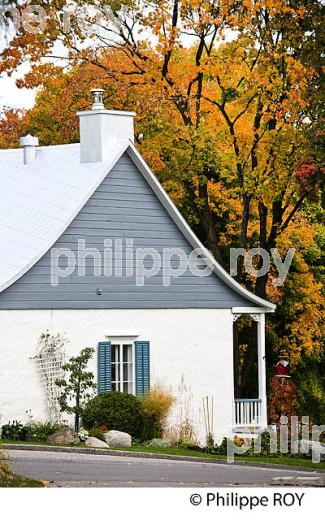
(120, 340)
(121, 337)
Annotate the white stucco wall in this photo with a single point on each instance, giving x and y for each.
(189, 345)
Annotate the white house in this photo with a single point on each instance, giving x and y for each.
(92, 246)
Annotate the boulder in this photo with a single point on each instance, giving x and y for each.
(64, 435)
(313, 449)
(93, 442)
(116, 439)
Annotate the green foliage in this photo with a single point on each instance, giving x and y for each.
(188, 445)
(310, 382)
(264, 441)
(98, 433)
(262, 444)
(14, 431)
(39, 431)
(158, 443)
(16, 482)
(115, 410)
(221, 449)
(77, 386)
(32, 431)
(315, 253)
(264, 119)
(5, 471)
(83, 434)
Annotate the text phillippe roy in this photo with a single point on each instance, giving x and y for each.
(246, 501)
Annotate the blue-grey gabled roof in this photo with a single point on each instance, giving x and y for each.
(40, 200)
(190, 235)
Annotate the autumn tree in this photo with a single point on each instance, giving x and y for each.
(269, 30)
(236, 115)
(283, 400)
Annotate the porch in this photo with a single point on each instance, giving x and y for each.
(251, 414)
(247, 413)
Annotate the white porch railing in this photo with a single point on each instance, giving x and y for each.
(247, 413)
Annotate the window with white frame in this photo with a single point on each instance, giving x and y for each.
(122, 367)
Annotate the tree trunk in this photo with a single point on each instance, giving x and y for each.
(260, 286)
(208, 221)
(77, 414)
(76, 422)
(261, 281)
(243, 235)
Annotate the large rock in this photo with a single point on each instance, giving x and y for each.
(116, 439)
(64, 435)
(313, 449)
(93, 442)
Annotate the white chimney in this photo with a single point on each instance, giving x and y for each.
(101, 129)
(29, 144)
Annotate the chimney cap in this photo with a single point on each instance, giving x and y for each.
(29, 140)
(98, 98)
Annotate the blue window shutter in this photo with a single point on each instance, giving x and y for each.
(104, 367)
(142, 367)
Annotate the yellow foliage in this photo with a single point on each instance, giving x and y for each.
(5, 471)
(157, 402)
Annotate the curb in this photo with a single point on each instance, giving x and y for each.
(142, 455)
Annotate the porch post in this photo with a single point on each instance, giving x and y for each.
(259, 318)
(261, 367)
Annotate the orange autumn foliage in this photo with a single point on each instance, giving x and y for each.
(282, 400)
(222, 122)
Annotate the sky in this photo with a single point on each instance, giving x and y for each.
(11, 96)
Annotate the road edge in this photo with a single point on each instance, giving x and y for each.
(147, 455)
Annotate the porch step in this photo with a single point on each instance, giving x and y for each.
(245, 433)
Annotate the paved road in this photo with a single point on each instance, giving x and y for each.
(80, 470)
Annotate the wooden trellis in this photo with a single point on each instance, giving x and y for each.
(50, 359)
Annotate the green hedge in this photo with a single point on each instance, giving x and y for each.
(115, 410)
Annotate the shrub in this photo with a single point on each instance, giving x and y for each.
(5, 471)
(221, 449)
(283, 399)
(14, 431)
(159, 443)
(98, 433)
(188, 445)
(181, 433)
(155, 407)
(83, 434)
(77, 386)
(39, 431)
(115, 410)
(262, 444)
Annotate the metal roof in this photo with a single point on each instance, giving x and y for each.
(39, 200)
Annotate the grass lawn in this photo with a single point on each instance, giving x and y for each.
(293, 460)
(17, 481)
(286, 460)
(8, 479)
